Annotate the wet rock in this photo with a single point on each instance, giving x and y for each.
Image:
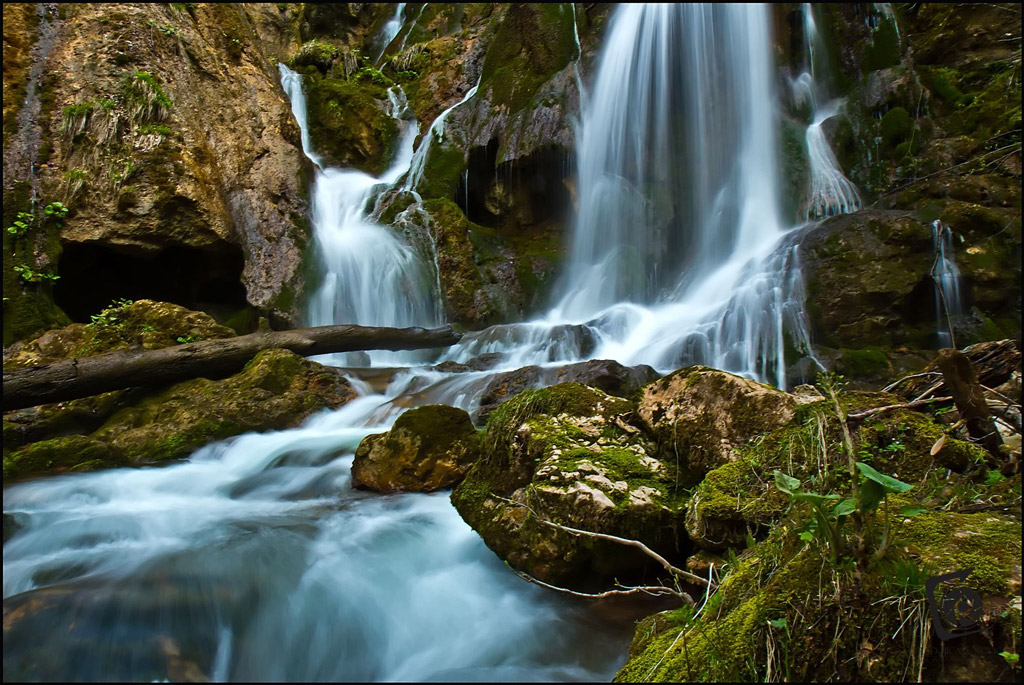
(702, 416)
(868, 280)
(428, 448)
(569, 454)
(607, 375)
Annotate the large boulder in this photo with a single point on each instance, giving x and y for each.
(701, 417)
(276, 390)
(428, 448)
(605, 374)
(569, 454)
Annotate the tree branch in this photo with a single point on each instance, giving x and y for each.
(906, 405)
(625, 590)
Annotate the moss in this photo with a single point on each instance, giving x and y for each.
(61, 454)
(441, 171)
(532, 43)
(987, 544)
(782, 580)
(884, 50)
(349, 124)
(896, 126)
(864, 363)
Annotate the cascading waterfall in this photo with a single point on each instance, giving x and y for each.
(830, 191)
(679, 263)
(390, 30)
(948, 303)
(371, 277)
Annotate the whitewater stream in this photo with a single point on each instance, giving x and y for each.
(257, 560)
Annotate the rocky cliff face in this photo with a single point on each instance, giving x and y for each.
(166, 134)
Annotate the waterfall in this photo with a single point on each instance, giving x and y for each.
(830, 191)
(948, 303)
(390, 30)
(371, 277)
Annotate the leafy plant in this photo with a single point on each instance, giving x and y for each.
(28, 275)
(22, 223)
(111, 315)
(189, 338)
(830, 511)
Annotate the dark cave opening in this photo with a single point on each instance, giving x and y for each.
(525, 192)
(92, 275)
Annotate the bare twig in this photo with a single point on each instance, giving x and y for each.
(624, 590)
(677, 572)
(907, 378)
(906, 405)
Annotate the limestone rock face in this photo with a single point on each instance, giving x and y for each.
(569, 454)
(428, 448)
(704, 415)
(168, 130)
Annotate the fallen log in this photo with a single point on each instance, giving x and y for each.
(71, 379)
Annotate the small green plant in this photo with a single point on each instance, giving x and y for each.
(1011, 658)
(28, 275)
(145, 99)
(830, 511)
(22, 224)
(374, 76)
(56, 211)
(112, 315)
(189, 338)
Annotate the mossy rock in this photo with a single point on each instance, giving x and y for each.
(145, 323)
(349, 123)
(72, 453)
(276, 390)
(701, 416)
(532, 43)
(782, 596)
(739, 499)
(429, 448)
(569, 454)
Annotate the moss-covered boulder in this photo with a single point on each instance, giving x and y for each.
(428, 448)
(701, 416)
(605, 374)
(768, 619)
(276, 390)
(144, 323)
(738, 500)
(349, 123)
(569, 454)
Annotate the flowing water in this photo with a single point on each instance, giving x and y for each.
(257, 560)
(948, 302)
